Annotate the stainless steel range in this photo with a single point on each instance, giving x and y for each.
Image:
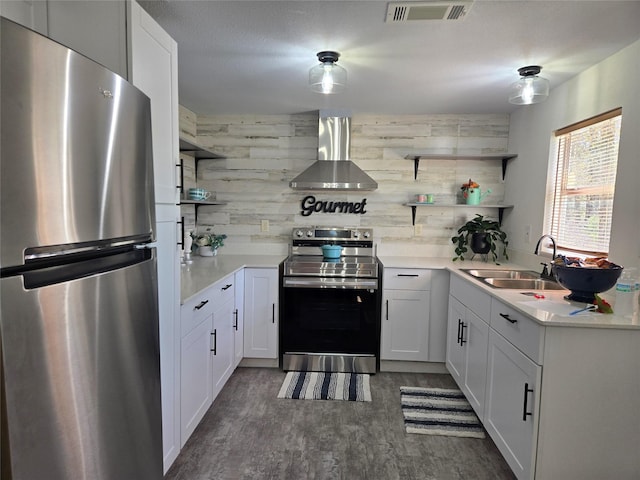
(330, 307)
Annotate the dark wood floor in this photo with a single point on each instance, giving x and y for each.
(250, 434)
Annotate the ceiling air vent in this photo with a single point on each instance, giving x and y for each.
(407, 12)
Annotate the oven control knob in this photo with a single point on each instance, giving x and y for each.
(309, 233)
(356, 234)
(365, 234)
(298, 233)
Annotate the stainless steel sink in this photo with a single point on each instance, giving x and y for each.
(513, 279)
(523, 284)
(515, 274)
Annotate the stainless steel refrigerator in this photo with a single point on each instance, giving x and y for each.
(80, 363)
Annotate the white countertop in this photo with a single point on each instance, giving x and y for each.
(552, 310)
(205, 271)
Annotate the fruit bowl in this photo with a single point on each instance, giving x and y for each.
(584, 282)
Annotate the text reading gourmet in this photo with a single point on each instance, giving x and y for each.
(310, 205)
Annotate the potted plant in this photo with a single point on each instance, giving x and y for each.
(207, 243)
(482, 236)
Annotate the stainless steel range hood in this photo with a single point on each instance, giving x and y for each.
(334, 170)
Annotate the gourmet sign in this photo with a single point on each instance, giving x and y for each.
(310, 205)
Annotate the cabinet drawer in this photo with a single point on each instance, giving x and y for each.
(406, 279)
(223, 291)
(471, 296)
(195, 310)
(204, 304)
(524, 333)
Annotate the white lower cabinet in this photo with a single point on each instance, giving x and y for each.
(261, 313)
(238, 320)
(513, 398)
(405, 314)
(223, 356)
(207, 351)
(196, 378)
(494, 353)
(467, 342)
(196, 393)
(405, 325)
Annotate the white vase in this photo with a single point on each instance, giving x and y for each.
(207, 251)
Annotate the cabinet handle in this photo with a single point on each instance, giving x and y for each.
(527, 391)
(215, 341)
(508, 318)
(408, 275)
(235, 325)
(462, 340)
(201, 304)
(181, 166)
(273, 313)
(459, 331)
(181, 223)
(387, 309)
(226, 287)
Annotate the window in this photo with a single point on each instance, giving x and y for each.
(583, 183)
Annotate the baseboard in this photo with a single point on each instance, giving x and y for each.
(412, 367)
(259, 362)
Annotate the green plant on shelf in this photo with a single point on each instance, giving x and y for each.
(482, 236)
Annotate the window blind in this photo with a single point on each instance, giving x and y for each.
(584, 184)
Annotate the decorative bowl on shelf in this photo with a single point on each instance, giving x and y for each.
(584, 283)
(331, 251)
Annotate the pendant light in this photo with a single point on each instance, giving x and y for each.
(530, 88)
(327, 77)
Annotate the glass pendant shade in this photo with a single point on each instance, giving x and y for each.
(530, 88)
(327, 77)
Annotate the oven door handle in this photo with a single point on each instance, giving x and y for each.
(349, 283)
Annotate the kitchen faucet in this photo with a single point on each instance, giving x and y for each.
(545, 272)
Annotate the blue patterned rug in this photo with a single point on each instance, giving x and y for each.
(439, 411)
(326, 386)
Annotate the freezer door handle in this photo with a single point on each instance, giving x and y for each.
(51, 273)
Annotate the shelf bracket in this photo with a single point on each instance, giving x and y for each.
(504, 167)
(416, 163)
(413, 214)
(500, 213)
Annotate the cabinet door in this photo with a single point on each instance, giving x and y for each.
(405, 325)
(511, 414)
(168, 257)
(238, 325)
(455, 347)
(476, 338)
(96, 29)
(28, 13)
(438, 315)
(222, 352)
(154, 70)
(196, 377)
(261, 313)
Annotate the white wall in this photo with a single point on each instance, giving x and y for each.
(613, 83)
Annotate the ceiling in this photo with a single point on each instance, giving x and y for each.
(253, 57)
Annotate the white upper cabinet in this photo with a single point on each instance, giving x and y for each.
(153, 57)
(96, 29)
(29, 13)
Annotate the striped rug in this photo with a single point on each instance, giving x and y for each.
(439, 411)
(326, 386)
